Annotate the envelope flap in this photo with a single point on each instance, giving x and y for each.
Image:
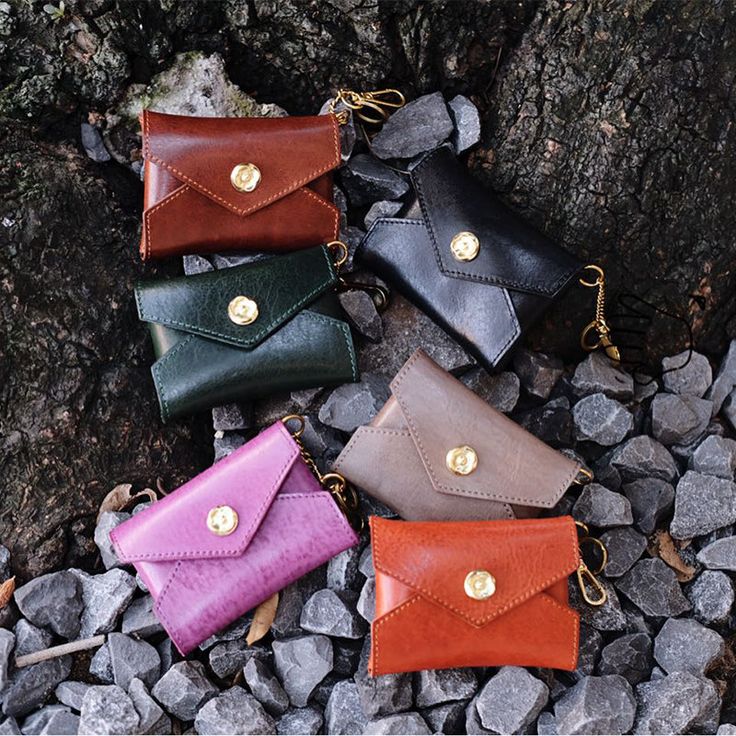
(200, 304)
(442, 414)
(512, 253)
(247, 480)
(202, 153)
(434, 559)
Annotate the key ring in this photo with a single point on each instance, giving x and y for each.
(340, 254)
(295, 418)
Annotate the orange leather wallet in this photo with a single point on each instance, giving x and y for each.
(223, 184)
(474, 594)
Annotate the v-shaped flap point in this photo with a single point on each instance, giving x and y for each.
(512, 253)
(289, 152)
(434, 558)
(513, 466)
(247, 481)
(279, 286)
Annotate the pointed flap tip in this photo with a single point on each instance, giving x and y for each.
(217, 513)
(282, 154)
(450, 425)
(241, 305)
(507, 251)
(511, 560)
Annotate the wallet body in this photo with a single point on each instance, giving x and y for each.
(426, 618)
(192, 206)
(202, 581)
(486, 303)
(299, 338)
(404, 456)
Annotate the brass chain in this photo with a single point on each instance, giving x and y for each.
(342, 492)
(599, 326)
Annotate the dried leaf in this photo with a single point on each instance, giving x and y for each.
(262, 619)
(664, 547)
(120, 497)
(6, 592)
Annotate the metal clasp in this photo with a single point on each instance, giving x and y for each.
(587, 580)
(371, 107)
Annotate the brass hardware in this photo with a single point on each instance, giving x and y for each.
(598, 326)
(245, 177)
(340, 252)
(583, 476)
(242, 310)
(587, 580)
(222, 520)
(344, 495)
(370, 107)
(299, 419)
(479, 585)
(465, 246)
(462, 460)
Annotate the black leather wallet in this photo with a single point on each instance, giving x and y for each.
(473, 265)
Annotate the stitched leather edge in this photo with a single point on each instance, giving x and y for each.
(536, 287)
(158, 382)
(331, 206)
(265, 330)
(158, 367)
(356, 441)
(349, 539)
(257, 518)
(426, 458)
(333, 164)
(374, 668)
(148, 214)
(379, 565)
(388, 222)
(569, 613)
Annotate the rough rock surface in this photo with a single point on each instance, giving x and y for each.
(593, 127)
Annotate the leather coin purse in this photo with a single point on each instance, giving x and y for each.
(233, 536)
(231, 184)
(247, 331)
(474, 266)
(476, 594)
(438, 451)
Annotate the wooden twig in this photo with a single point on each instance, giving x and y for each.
(59, 651)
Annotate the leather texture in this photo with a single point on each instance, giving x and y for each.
(400, 457)
(425, 620)
(202, 582)
(190, 205)
(300, 338)
(485, 304)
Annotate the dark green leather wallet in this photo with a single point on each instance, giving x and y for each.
(247, 332)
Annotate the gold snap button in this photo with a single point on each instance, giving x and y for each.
(222, 520)
(242, 310)
(462, 460)
(465, 246)
(479, 585)
(245, 177)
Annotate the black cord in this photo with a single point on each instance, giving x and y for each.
(634, 319)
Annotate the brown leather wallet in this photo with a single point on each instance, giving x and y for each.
(473, 594)
(436, 451)
(224, 184)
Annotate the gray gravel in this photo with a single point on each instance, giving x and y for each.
(653, 659)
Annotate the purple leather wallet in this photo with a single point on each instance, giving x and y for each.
(233, 536)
